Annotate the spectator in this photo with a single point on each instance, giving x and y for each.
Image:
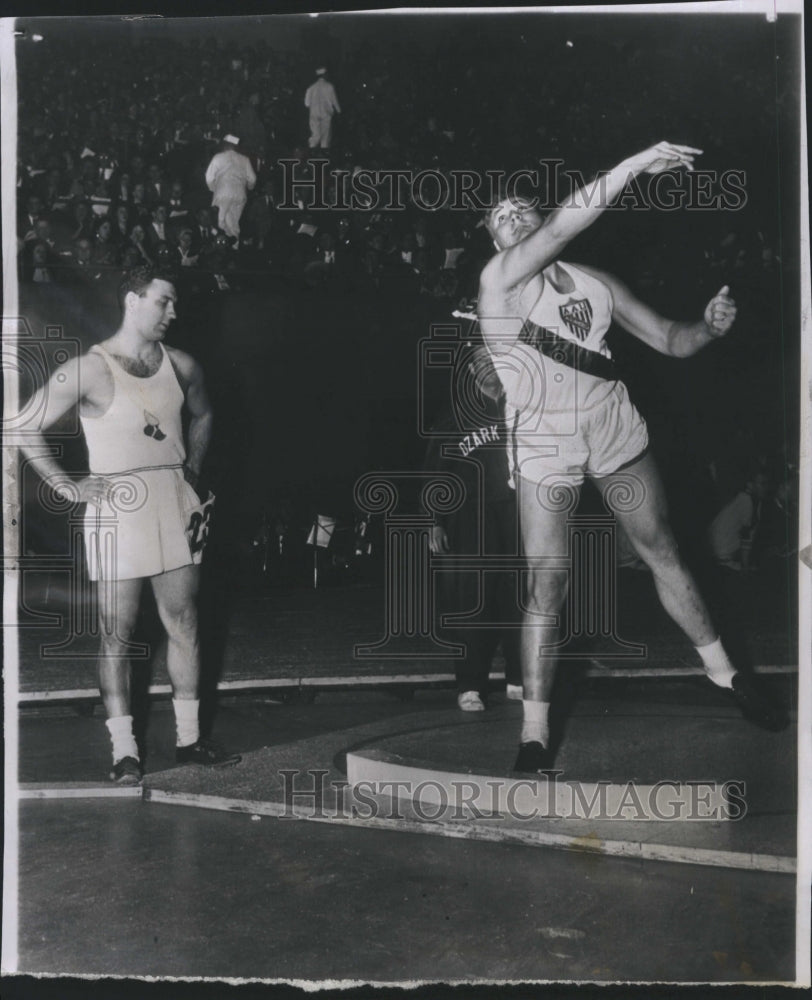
(777, 535)
(259, 215)
(139, 200)
(230, 177)
(121, 188)
(82, 223)
(28, 219)
(731, 531)
(186, 255)
(51, 190)
(105, 249)
(131, 257)
(156, 188)
(82, 267)
(219, 259)
(43, 233)
(204, 233)
(251, 130)
(37, 263)
(121, 224)
(156, 231)
(165, 256)
(138, 239)
(178, 204)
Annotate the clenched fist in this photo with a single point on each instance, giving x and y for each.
(720, 313)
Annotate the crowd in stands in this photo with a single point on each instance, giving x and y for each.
(114, 141)
(114, 144)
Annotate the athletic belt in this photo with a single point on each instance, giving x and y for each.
(567, 352)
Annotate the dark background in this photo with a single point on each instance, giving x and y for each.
(316, 382)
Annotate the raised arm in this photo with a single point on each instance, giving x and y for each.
(519, 262)
(676, 338)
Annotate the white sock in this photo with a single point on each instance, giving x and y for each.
(186, 720)
(536, 722)
(717, 664)
(121, 733)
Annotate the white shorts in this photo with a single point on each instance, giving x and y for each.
(604, 439)
(152, 522)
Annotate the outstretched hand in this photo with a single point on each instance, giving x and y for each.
(664, 156)
(720, 313)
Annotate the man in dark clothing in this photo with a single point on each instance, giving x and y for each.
(470, 442)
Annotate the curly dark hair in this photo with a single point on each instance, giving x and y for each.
(138, 280)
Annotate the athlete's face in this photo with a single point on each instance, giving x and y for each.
(511, 221)
(154, 309)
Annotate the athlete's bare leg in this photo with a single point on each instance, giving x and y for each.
(118, 612)
(646, 524)
(543, 526)
(176, 597)
(651, 535)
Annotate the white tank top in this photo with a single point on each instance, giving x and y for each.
(541, 384)
(582, 315)
(142, 428)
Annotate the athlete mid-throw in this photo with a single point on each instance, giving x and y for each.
(544, 323)
(144, 519)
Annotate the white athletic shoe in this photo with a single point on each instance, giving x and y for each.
(515, 692)
(469, 701)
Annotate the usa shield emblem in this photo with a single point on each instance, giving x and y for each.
(578, 317)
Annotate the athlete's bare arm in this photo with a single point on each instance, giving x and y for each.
(517, 263)
(677, 339)
(197, 402)
(505, 275)
(80, 382)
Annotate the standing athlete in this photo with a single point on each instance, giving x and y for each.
(144, 519)
(545, 323)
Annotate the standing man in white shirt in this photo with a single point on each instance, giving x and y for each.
(322, 101)
(230, 177)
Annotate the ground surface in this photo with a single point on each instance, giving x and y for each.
(212, 893)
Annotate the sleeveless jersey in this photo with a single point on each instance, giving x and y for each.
(142, 428)
(583, 314)
(537, 383)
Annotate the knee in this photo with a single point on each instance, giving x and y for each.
(181, 622)
(658, 550)
(116, 635)
(545, 592)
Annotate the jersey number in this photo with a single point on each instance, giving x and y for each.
(198, 529)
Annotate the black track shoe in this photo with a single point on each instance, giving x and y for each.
(533, 758)
(126, 771)
(207, 753)
(756, 705)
